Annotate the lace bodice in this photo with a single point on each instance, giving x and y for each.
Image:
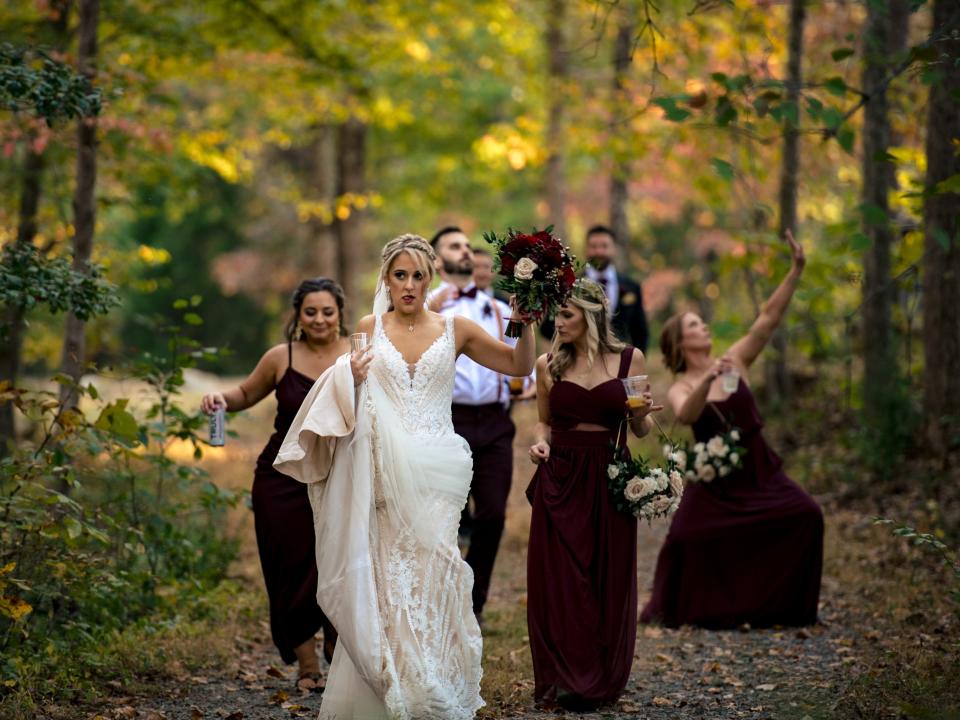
(421, 393)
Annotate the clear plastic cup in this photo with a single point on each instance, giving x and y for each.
(358, 341)
(635, 386)
(730, 380)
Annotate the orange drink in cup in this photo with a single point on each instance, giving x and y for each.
(635, 386)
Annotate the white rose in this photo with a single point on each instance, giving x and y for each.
(702, 459)
(734, 458)
(524, 268)
(699, 448)
(679, 458)
(676, 482)
(707, 473)
(633, 490)
(715, 446)
(612, 471)
(724, 470)
(661, 504)
(691, 475)
(667, 450)
(734, 435)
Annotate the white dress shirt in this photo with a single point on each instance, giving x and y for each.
(609, 276)
(475, 384)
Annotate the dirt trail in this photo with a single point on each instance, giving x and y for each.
(682, 674)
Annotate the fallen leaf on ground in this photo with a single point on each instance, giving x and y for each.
(274, 672)
(766, 687)
(196, 713)
(280, 696)
(662, 702)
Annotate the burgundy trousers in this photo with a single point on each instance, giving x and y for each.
(489, 431)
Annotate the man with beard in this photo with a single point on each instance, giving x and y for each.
(627, 316)
(481, 406)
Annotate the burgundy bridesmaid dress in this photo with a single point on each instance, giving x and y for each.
(283, 520)
(582, 557)
(747, 548)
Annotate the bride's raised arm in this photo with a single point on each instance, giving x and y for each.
(478, 345)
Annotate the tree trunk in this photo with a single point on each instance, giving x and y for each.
(556, 92)
(620, 170)
(321, 166)
(13, 315)
(941, 248)
(775, 365)
(11, 333)
(73, 360)
(879, 365)
(351, 163)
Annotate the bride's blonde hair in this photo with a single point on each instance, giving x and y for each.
(416, 247)
(590, 298)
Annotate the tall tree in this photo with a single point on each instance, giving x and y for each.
(31, 184)
(351, 164)
(878, 177)
(84, 200)
(620, 170)
(558, 77)
(941, 248)
(778, 377)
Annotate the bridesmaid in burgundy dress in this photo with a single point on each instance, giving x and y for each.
(746, 548)
(283, 518)
(582, 556)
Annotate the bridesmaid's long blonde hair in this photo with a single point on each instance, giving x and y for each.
(590, 298)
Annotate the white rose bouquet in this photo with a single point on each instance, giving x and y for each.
(716, 458)
(644, 491)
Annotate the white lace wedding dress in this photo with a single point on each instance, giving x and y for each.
(391, 576)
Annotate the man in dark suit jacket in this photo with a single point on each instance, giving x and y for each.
(628, 318)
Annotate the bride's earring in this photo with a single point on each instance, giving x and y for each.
(298, 331)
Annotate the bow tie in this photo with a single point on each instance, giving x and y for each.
(471, 293)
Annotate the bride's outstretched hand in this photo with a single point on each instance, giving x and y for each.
(360, 364)
(539, 452)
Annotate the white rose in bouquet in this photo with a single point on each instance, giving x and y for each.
(634, 490)
(735, 435)
(724, 470)
(676, 482)
(649, 485)
(734, 458)
(661, 504)
(699, 448)
(707, 473)
(612, 471)
(691, 475)
(679, 458)
(715, 446)
(524, 269)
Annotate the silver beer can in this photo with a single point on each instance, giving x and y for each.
(217, 426)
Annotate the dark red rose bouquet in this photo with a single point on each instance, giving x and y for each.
(537, 269)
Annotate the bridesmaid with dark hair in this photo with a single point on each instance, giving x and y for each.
(282, 515)
(748, 547)
(582, 556)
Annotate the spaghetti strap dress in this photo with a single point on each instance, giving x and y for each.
(582, 556)
(283, 521)
(746, 548)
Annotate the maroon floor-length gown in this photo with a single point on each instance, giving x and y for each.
(747, 548)
(582, 556)
(283, 521)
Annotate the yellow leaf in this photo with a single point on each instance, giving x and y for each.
(13, 607)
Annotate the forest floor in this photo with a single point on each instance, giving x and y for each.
(887, 643)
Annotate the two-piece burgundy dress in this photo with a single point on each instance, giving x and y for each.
(582, 557)
(746, 548)
(283, 521)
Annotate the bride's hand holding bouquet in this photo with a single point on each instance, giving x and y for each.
(537, 269)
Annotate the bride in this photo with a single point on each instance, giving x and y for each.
(388, 478)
